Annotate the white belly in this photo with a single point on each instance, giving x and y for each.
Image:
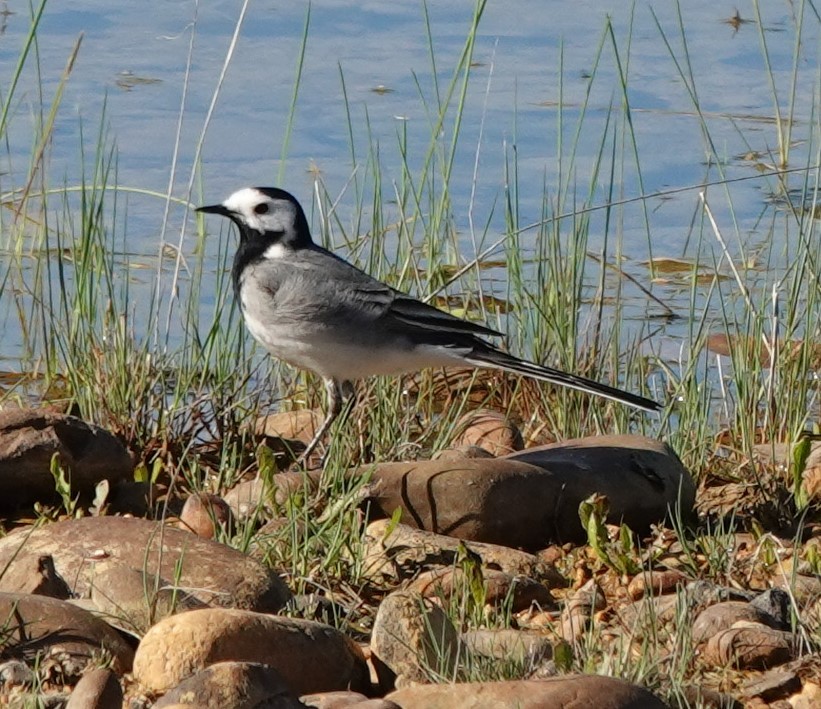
(332, 353)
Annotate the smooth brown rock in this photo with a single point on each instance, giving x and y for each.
(451, 454)
(518, 592)
(720, 616)
(400, 551)
(779, 455)
(238, 685)
(202, 513)
(647, 614)
(332, 700)
(132, 600)
(29, 438)
(412, 640)
(656, 582)
(310, 656)
(38, 624)
(524, 648)
(36, 575)
(210, 572)
(254, 498)
(579, 610)
(490, 430)
(750, 647)
(98, 689)
(529, 499)
(300, 425)
(568, 692)
(345, 700)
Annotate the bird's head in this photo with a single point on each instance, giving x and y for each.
(265, 213)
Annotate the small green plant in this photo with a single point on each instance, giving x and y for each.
(62, 485)
(620, 554)
(798, 464)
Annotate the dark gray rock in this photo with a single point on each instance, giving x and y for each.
(29, 438)
(776, 603)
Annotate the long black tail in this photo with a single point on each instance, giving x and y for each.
(488, 356)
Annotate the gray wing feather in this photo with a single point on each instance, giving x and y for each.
(359, 295)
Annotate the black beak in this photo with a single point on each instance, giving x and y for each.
(215, 209)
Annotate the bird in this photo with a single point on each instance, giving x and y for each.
(312, 309)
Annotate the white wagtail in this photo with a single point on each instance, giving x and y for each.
(310, 308)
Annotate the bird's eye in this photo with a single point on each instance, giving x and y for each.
(261, 208)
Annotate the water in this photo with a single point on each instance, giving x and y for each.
(133, 62)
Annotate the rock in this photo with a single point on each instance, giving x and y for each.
(719, 617)
(656, 582)
(251, 498)
(400, 551)
(647, 614)
(775, 603)
(579, 610)
(555, 692)
(809, 697)
(38, 624)
(15, 673)
(275, 539)
(529, 499)
(523, 648)
(701, 594)
(133, 600)
(46, 700)
(697, 695)
(300, 425)
(489, 430)
(29, 438)
(202, 511)
(452, 454)
(772, 685)
(779, 455)
(332, 700)
(98, 689)
(310, 656)
(211, 573)
(750, 647)
(131, 497)
(412, 640)
(519, 592)
(315, 607)
(806, 589)
(238, 685)
(345, 700)
(36, 575)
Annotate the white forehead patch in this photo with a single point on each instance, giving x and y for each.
(281, 214)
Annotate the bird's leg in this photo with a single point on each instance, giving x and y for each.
(335, 401)
(346, 391)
